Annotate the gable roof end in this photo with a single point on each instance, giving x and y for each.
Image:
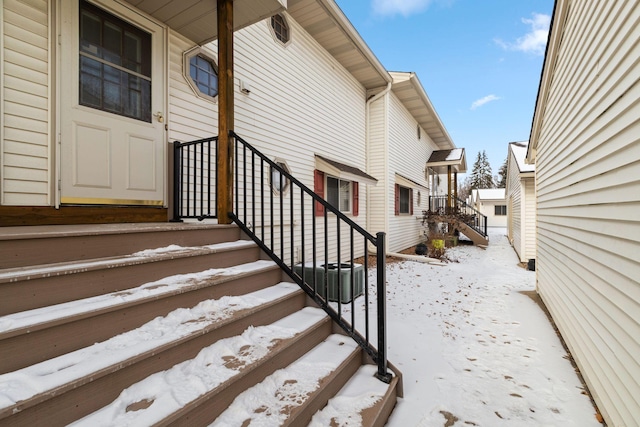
(441, 159)
(328, 25)
(407, 87)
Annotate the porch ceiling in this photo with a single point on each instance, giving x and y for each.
(326, 22)
(197, 19)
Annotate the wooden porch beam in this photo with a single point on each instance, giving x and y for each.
(449, 186)
(455, 186)
(224, 170)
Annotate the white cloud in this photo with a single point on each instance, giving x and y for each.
(480, 102)
(402, 7)
(535, 40)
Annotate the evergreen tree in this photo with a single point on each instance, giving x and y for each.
(481, 175)
(502, 176)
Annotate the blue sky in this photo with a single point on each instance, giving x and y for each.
(478, 60)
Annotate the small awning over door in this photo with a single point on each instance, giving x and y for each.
(441, 159)
(196, 19)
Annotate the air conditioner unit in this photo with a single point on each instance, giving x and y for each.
(338, 280)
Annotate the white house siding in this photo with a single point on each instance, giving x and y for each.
(407, 156)
(515, 209)
(302, 103)
(25, 143)
(529, 219)
(588, 189)
(487, 207)
(379, 207)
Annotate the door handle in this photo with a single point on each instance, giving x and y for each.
(159, 116)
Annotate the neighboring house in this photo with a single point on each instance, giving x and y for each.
(585, 144)
(491, 202)
(404, 132)
(521, 202)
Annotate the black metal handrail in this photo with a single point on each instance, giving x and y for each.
(303, 234)
(194, 179)
(468, 214)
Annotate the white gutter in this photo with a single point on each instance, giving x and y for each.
(368, 142)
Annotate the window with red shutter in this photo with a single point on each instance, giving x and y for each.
(397, 200)
(355, 208)
(318, 187)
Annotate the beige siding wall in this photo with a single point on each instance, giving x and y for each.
(379, 208)
(488, 208)
(515, 214)
(404, 230)
(529, 219)
(588, 187)
(302, 103)
(25, 142)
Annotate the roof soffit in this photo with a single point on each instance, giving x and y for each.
(197, 19)
(410, 92)
(328, 25)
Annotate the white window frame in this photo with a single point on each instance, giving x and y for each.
(273, 31)
(349, 197)
(273, 173)
(186, 70)
(409, 200)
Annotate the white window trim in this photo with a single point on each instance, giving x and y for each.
(286, 167)
(273, 32)
(409, 202)
(326, 191)
(186, 73)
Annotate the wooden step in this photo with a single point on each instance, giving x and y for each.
(33, 336)
(27, 288)
(293, 394)
(472, 234)
(203, 386)
(73, 385)
(27, 246)
(364, 401)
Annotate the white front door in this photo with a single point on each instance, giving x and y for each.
(112, 103)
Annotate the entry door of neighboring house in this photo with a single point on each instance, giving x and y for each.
(112, 101)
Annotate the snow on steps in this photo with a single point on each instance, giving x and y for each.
(76, 379)
(168, 396)
(135, 305)
(26, 288)
(32, 336)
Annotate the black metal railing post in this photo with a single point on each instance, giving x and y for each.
(192, 180)
(383, 373)
(177, 182)
(292, 239)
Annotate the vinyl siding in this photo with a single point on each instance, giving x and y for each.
(588, 187)
(302, 103)
(487, 208)
(405, 230)
(515, 214)
(379, 208)
(529, 219)
(25, 143)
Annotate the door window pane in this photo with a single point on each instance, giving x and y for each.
(115, 64)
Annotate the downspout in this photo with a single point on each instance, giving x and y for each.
(368, 143)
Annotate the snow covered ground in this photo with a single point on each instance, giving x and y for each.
(474, 349)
